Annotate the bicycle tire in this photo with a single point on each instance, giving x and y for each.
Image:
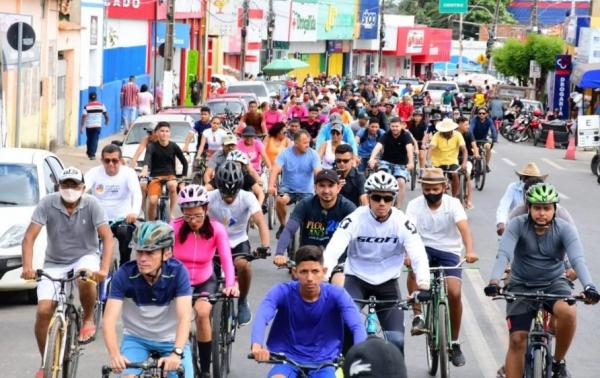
(71, 354)
(194, 351)
(162, 210)
(443, 330)
(462, 182)
(538, 363)
(54, 343)
(482, 172)
(594, 164)
(216, 348)
(294, 245)
(430, 340)
(270, 212)
(228, 333)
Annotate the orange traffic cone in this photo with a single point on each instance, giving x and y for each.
(570, 154)
(550, 139)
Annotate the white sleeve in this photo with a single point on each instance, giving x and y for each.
(504, 205)
(89, 178)
(337, 244)
(411, 211)
(458, 211)
(136, 192)
(416, 252)
(252, 203)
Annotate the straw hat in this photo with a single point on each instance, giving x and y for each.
(446, 125)
(433, 176)
(531, 170)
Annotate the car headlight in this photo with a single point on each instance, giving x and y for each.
(13, 236)
(14, 262)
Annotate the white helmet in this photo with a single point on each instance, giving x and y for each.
(238, 156)
(381, 182)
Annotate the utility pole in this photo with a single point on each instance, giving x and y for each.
(170, 34)
(205, 29)
(488, 52)
(270, 31)
(460, 45)
(243, 45)
(534, 17)
(381, 36)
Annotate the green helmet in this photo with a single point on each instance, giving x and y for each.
(542, 193)
(152, 235)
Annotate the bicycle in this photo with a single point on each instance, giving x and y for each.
(372, 304)
(480, 166)
(150, 368)
(304, 369)
(413, 171)
(538, 356)
(62, 350)
(462, 183)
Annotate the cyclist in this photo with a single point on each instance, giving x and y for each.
(312, 124)
(250, 184)
(159, 162)
(375, 112)
(481, 126)
(367, 138)
(535, 245)
(442, 223)
(212, 139)
(377, 237)
(514, 195)
(445, 147)
(397, 155)
(448, 102)
(197, 238)
(308, 319)
(292, 128)
(297, 110)
(472, 153)
(325, 132)
(199, 126)
(68, 212)
(479, 99)
(405, 108)
(361, 122)
(276, 142)
(118, 190)
(298, 165)
(418, 128)
(352, 182)
(229, 145)
(327, 149)
(317, 217)
(254, 149)
(273, 115)
(233, 207)
(153, 297)
(252, 118)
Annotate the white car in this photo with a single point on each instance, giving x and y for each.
(259, 88)
(26, 176)
(181, 125)
(437, 88)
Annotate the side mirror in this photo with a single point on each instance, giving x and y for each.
(117, 142)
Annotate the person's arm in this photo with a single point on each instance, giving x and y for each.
(224, 250)
(349, 138)
(107, 238)
(188, 140)
(265, 313)
(112, 312)
(208, 174)
(138, 151)
(83, 119)
(183, 309)
(275, 170)
(263, 229)
(337, 245)
(494, 131)
(264, 157)
(136, 196)
(411, 157)
(351, 316)
(574, 250)
(201, 147)
(475, 149)
(322, 149)
(184, 163)
(31, 235)
(504, 206)
(376, 150)
(147, 165)
(106, 118)
(291, 227)
(322, 136)
(253, 173)
(465, 233)
(258, 192)
(506, 250)
(416, 253)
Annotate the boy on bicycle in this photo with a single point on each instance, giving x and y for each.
(535, 244)
(308, 319)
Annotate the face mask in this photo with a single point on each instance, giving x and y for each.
(70, 195)
(432, 198)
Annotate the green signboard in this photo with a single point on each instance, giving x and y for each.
(336, 20)
(453, 6)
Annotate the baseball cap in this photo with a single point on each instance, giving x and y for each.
(374, 358)
(335, 117)
(337, 126)
(71, 173)
(327, 174)
(363, 115)
(229, 139)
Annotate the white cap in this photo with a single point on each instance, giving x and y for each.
(71, 173)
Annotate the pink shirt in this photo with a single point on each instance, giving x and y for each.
(297, 112)
(272, 118)
(197, 253)
(253, 152)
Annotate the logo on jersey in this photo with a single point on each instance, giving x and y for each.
(358, 367)
(377, 239)
(99, 189)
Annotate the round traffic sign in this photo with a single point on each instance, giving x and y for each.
(27, 36)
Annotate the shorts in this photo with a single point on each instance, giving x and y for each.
(469, 167)
(210, 286)
(448, 168)
(155, 187)
(48, 290)
(442, 259)
(396, 170)
(137, 349)
(294, 196)
(129, 114)
(290, 371)
(521, 312)
(243, 248)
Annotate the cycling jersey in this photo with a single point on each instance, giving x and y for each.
(197, 253)
(376, 249)
(233, 216)
(119, 195)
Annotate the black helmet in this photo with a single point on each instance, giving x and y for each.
(229, 178)
(437, 117)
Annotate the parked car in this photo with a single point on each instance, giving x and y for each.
(437, 88)
(26, 176)
(192, 111)
(259, 88)
(247, 97)
(415, 83)
(181, 125)
(219, 105)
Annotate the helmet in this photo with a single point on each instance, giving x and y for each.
(152, 235)
(537, 112)
(192, 196)
(229, 178)
(238, 156)
(381, 182)
(274, 104)
(437, 117)
(418, 112)
(542, 193)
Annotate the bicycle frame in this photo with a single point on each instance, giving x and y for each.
(439, 296)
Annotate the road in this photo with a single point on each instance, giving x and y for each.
(483, 335)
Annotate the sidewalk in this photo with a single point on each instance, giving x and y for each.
(76, 157)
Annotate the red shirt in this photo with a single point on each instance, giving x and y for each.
(404, 110)
(129, 94)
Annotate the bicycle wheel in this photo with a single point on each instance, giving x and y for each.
(54, 342)
(430, 340)
(218, 366)
(482, 168)
(271, 211)
(463, 189)
(71, 354)
(294, 245)
(194, 351)
(162, 210)
(228, 332)
(443, 330)
(538, 363)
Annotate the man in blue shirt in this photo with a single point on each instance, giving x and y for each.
(298, 164)
(481, 126)
(308, 319)
(347, 134)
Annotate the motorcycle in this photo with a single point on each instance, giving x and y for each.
(524, 128)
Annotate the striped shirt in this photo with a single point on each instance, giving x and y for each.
(94, 111)
(129, 95)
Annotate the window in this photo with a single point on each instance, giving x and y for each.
(50, 179)
(19, 185)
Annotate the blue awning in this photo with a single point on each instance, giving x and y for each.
(586, 75)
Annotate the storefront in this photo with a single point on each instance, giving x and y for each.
(336, 24)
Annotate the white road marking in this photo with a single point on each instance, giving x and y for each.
(563, 196)
(509, 162)
(555, 165)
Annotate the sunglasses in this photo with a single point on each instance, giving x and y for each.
(379, 197)
(188, 218)
(482, 113)
(345, 161)
(114, 161)
(336, 132)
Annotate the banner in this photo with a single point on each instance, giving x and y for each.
(368, 16)
(336, 20)
(561, 85)
(415, 40)
(303, 22)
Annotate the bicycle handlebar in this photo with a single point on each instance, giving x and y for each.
(281, 358)
(83, 274)
(145, 366)
(457, 266)
(539, 296)
(372, 301)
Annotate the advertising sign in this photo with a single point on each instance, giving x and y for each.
(135, 9)
(561, 84)
(368, 16)
(303, 22)
(336, 20)
(453, 6)
(181, 38)
(588, 131)
(415, 40)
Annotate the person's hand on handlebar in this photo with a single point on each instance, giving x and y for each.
(470, 258)
(492, 289)
(28, 273)
(272, 190)
(118, 363)
(260, 354)
(232, 291)
(280, 260)
(131, 218)
(500, 229)
(170, 362)
(591, 295)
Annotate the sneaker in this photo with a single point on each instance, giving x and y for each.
(559, 370)
(92, 157)
(456, 356)
(279, 231)
(418, 325)
(244, 314)
(487, 169)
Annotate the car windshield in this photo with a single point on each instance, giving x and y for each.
(273, 86)
(258, 90)
(218, 107)
(19, 185)
(179, 131)
(439, 86)
(468, 88)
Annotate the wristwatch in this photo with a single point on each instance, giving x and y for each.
(179, 352)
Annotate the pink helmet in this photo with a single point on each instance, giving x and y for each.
(192, 196)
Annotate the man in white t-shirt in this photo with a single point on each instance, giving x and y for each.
(442, 223)
(117, 188)
(213, 138)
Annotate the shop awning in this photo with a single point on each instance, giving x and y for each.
(586, 75)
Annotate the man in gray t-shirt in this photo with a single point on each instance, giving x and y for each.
(74, 222)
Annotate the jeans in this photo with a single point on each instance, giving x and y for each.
(92, 134)
(129, 115)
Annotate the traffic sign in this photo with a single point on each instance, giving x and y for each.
(535, 70)
(453, 6)
(27, 36)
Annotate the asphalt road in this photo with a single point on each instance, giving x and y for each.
(483, 335)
